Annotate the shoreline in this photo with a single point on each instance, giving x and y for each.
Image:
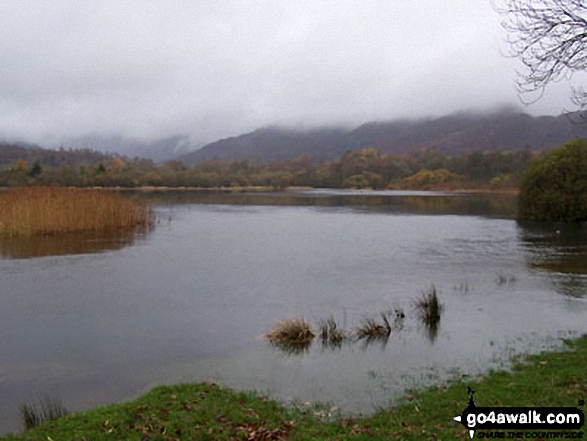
(267, 189)
(209, 411)
(151, 188)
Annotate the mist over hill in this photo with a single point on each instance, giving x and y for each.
(451, 135)
(159, 150)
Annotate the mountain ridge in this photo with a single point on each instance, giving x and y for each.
(451, 135)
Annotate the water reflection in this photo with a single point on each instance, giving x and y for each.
(561, 251)
(431, 331)
(65, 244)
(431, 203)
(292, 348)
(374, 342)
(572, 285)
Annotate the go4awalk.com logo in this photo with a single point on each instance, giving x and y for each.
(522, 422)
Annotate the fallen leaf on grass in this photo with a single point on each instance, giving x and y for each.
(255, 432)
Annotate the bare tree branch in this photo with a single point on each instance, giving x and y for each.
(549, 37)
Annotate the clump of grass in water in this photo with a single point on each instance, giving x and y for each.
(463, 287)
(293, 335)
(502, 279)
(35, 211)
(371, 329)
(429, 307)
(330, 334)
(45, 409)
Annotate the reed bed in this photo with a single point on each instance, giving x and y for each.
(33, 211)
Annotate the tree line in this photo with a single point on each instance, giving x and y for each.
(366, 168)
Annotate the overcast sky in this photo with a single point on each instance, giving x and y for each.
(216, 68)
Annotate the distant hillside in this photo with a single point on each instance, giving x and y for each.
(451, 135)
(273, 144)
(159, 150)
(10, 152)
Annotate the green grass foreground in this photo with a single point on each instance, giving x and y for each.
(209, 412)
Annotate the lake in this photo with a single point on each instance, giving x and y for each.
(95, 320)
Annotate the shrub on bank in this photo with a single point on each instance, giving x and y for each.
(554, 187)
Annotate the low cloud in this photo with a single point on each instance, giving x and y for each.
(213, 69)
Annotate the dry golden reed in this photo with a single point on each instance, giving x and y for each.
(291, 331)
(33, 211)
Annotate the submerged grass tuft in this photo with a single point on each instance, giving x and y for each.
(371, 329)
(429, 307)
(330, 333)
(45, 409)
(502, 279)
(293, 334)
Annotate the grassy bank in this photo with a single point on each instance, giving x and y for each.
(202, 411)
(35, 211)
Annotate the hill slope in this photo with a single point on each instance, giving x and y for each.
(10, 152)
(159, 150)
(451, 135)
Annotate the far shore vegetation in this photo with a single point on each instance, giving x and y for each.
(35, 211)
(211, 412)
(367, 168)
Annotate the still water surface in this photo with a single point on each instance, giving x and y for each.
(189, 301)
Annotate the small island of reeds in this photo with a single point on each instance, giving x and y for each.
(33, 211)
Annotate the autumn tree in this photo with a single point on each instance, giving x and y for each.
(20, 165)
(117, 165)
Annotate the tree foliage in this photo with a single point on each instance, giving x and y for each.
(549, 37)
(426, 179)
(366, 168)
(554, 187)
